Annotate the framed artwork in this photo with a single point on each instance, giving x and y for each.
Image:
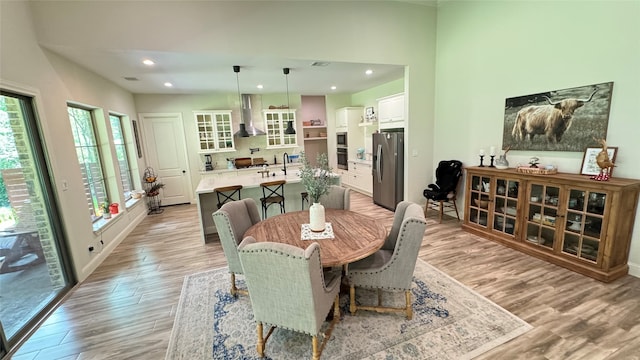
(137, 138)
(369, 115)
(557, 120)
(589, 164)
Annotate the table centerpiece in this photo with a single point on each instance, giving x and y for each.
(316, 181)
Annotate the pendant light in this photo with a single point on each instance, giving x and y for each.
(289, 130)
(243, 128)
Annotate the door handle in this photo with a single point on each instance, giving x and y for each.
(184, 171)
(379, 163)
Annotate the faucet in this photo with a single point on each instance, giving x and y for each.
(285, 160)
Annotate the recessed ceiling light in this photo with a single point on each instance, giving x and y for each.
(168, 84)
(369, 72)
(333, 87)
(259, 86)
(148, 62)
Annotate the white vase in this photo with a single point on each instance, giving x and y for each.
(316, 217)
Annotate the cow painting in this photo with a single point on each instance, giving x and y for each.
(550, 120)
(557, 120)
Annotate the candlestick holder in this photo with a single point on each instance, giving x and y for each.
(491, 165)
(481, 159)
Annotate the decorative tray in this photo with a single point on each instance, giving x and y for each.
(536, 171)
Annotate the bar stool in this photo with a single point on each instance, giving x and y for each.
(272, 193)
(304, 196)
(227, 193)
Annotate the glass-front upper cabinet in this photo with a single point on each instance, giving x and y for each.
(505, 206)
(583, 228)
(276, 122)
(480, 200)
(215, 132)
(542, 213)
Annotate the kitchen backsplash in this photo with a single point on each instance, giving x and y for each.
(242, 150)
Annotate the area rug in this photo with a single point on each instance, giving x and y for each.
(450, 321)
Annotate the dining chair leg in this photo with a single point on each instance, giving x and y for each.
(409, 307)
(314, 345)
(352, 300)
(260, 346)
(441, 211)
(456, 207)
(234, 289)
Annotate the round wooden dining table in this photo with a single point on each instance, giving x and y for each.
(355, 236)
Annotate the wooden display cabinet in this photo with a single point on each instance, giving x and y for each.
(566, 219)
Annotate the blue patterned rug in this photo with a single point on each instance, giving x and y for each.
(450, 321)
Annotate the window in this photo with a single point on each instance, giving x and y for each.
(84, 137)
(121, 154)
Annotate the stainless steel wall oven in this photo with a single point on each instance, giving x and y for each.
(342, 159)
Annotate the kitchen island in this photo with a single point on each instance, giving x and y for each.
(207, 200)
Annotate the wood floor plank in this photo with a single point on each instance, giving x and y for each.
(126, 308)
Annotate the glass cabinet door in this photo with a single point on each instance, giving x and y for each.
(506, 204)
(224, 131)
(480, 200)
(583, 228)
(205, 131)
(542, 212)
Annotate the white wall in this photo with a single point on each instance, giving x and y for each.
(27, 68)
(352, 31)
(488, 51)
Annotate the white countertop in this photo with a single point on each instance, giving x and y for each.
(359, 161)
(272, 167)
(252, 180)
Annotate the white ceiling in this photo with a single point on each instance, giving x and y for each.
(185, 50)
(193, 73)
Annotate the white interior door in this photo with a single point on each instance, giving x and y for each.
(167, 155)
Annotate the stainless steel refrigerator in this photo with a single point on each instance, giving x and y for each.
(388, 169)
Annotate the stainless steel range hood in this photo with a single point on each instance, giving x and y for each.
(246, 124)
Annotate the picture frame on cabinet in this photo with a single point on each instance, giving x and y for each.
(369, 114)
(589, 164)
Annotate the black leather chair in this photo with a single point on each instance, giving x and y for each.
(448, 175)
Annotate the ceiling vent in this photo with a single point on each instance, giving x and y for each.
(320, 63)
(131, 78)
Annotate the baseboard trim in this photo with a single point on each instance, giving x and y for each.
(634, 269)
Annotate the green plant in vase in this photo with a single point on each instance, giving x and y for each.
(104, 207)
(316, 181)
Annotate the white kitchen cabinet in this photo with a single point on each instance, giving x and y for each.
(391, 112)
(360, 177)
(276, 122)
(215, 133)
(352, 117)
(344, 176)
(348, 118)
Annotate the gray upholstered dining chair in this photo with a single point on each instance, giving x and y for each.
(287, 289)
(232, 221)
(338, 197)
(391, 268)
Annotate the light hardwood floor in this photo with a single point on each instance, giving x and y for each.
(125, 309)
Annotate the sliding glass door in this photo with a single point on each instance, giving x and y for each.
(33, 269)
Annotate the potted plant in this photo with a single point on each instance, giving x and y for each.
(155, 189)
(316, 181)
(104, 207)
